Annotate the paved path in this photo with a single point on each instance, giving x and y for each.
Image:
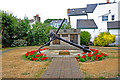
(63, 68)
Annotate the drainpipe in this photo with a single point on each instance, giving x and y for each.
(69, 20)
(87, 16)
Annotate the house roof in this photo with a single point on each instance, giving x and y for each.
(113, 25)
(58, 21)
(83, 11)
(31, 20)
(86, 24)
(90, 8)
(77, 11)
(66, 31)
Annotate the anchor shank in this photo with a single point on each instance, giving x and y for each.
(74, 44)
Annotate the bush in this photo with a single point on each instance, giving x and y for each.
(94, 55)
(103, 39)
(85, 38)
(35, 55)
(19, 43)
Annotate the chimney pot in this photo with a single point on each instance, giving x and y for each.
(108, 1)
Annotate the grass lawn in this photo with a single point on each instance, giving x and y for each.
(107, 68)
(14, 66)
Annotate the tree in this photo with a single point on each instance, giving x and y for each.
(103, 39)
(39, 34)
(85, 38)
(9, 22)
(23, 28)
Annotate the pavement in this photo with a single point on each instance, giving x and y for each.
(63, 68)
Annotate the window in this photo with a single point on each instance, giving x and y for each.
(74, 38)
(104, 18)
(64, 35)
(56, 41)
(113, 17)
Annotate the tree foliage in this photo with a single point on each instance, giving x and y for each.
(9, 23)
(14, 32)
(103, 39)
(85, 38)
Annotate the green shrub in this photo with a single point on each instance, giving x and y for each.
(82, 59)
(103, 39)
(85, 38)
(19, 43)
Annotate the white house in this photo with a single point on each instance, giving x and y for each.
(96, 18)
(35, 19)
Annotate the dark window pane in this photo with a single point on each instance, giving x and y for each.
(104, 18)
(113, 17)
(64, 35)
(74, 38)
(56, 41)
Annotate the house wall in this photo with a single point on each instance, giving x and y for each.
(102, 25)
(102, 10)
(119, 10)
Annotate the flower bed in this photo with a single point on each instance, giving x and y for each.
(94, 55)
(36, 56)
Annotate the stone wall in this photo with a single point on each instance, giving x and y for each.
(64, 45)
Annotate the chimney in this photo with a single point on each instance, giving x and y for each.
(108, 1)
(37, 15)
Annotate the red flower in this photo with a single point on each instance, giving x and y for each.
(93, 54)
(40, 49)
(89, 55)
(47, 48)
(63, 51)
(26, 54)
(78, 54)
(83, 56)
(30, 54)
(92, 49)
(33, 53)
(43, 48)
(96, 59)
(35, 59)
(36, 50)
(27, 58)
(46, 58)
(4, 47)
(105, 54)
(42, 59)
(37, 55)
(32, 58)
(83, 53)
(102, 53)
(97, 51)
(76, 57)
(97, 55)
(41, 54)
(44, 54)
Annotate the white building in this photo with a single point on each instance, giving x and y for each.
(96, 18)
(35, 19)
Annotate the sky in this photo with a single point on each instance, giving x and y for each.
(52, 9)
